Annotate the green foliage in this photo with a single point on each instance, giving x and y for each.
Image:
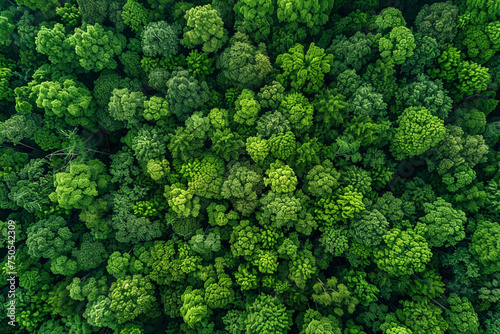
(155, 109)
(270, 96)
(428, 94)
(199, 64)
(57, 45)
(96, 46)
(49, 238)
(461, 316)
(304, 71)
(77, 187)
(250, 166)
(485, 245)
(149, 143)
(185, 94)
(398, 46)
(422, 317)
(247, 108)
(254, 17)
(332, 293)
(267, 315)
(425, 53)
(257, 148)
(160, 39)
(281, 178)
(472, 78)
(322, 179)
(404, 253)
(243, 186)
(204, 27)
(438, 20)
(65, 98)
(389, 18)
(70, 14)
(131, 297)
(445, 226)
(417, 132)
(312, 14)
(353, 52)
(18, 127)
(283, 145)
(368, 227)
(183, 202)
(298, 110)
(135, 15)
(243, 64)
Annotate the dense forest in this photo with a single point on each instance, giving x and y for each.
(250, 166)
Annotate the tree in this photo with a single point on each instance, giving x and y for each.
(367, 102)
(398, 46)
(417, 132)
(485, 245)
(243, 186)
(96, 47)
(254, 18)
(283, 145)
(242, 64)
(461, 316)
(149, 143)
(445, 225)
(244, 239)
(90, 254)
(205, 176)
(369, 227)
(312, 14)
(333, 293)
(66, 98)
(18, 127)
(185, 93)
(425, 53)
(131, 297)
(335, 240)
(226, 144)
(77, 188)
(304, 71)
(267, 315)
(322, 179)
(353, 52)
(205, 244)
(314, 322)
(126, 106)
(135, 15)
(404, 252)
(279, 209)
(281, 178)
(424, 92)
(156, 109)
(160, 39)
(247, 108)
(257, 148)
(472, 78)
(422, 317)
(298, 110)
(272, 123)
(438, 20)
(199, 64)
(50, 238)
(183, 202)
(204, 27)
(59, 47)
(389, 18)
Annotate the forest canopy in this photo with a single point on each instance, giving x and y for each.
(250, 166)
